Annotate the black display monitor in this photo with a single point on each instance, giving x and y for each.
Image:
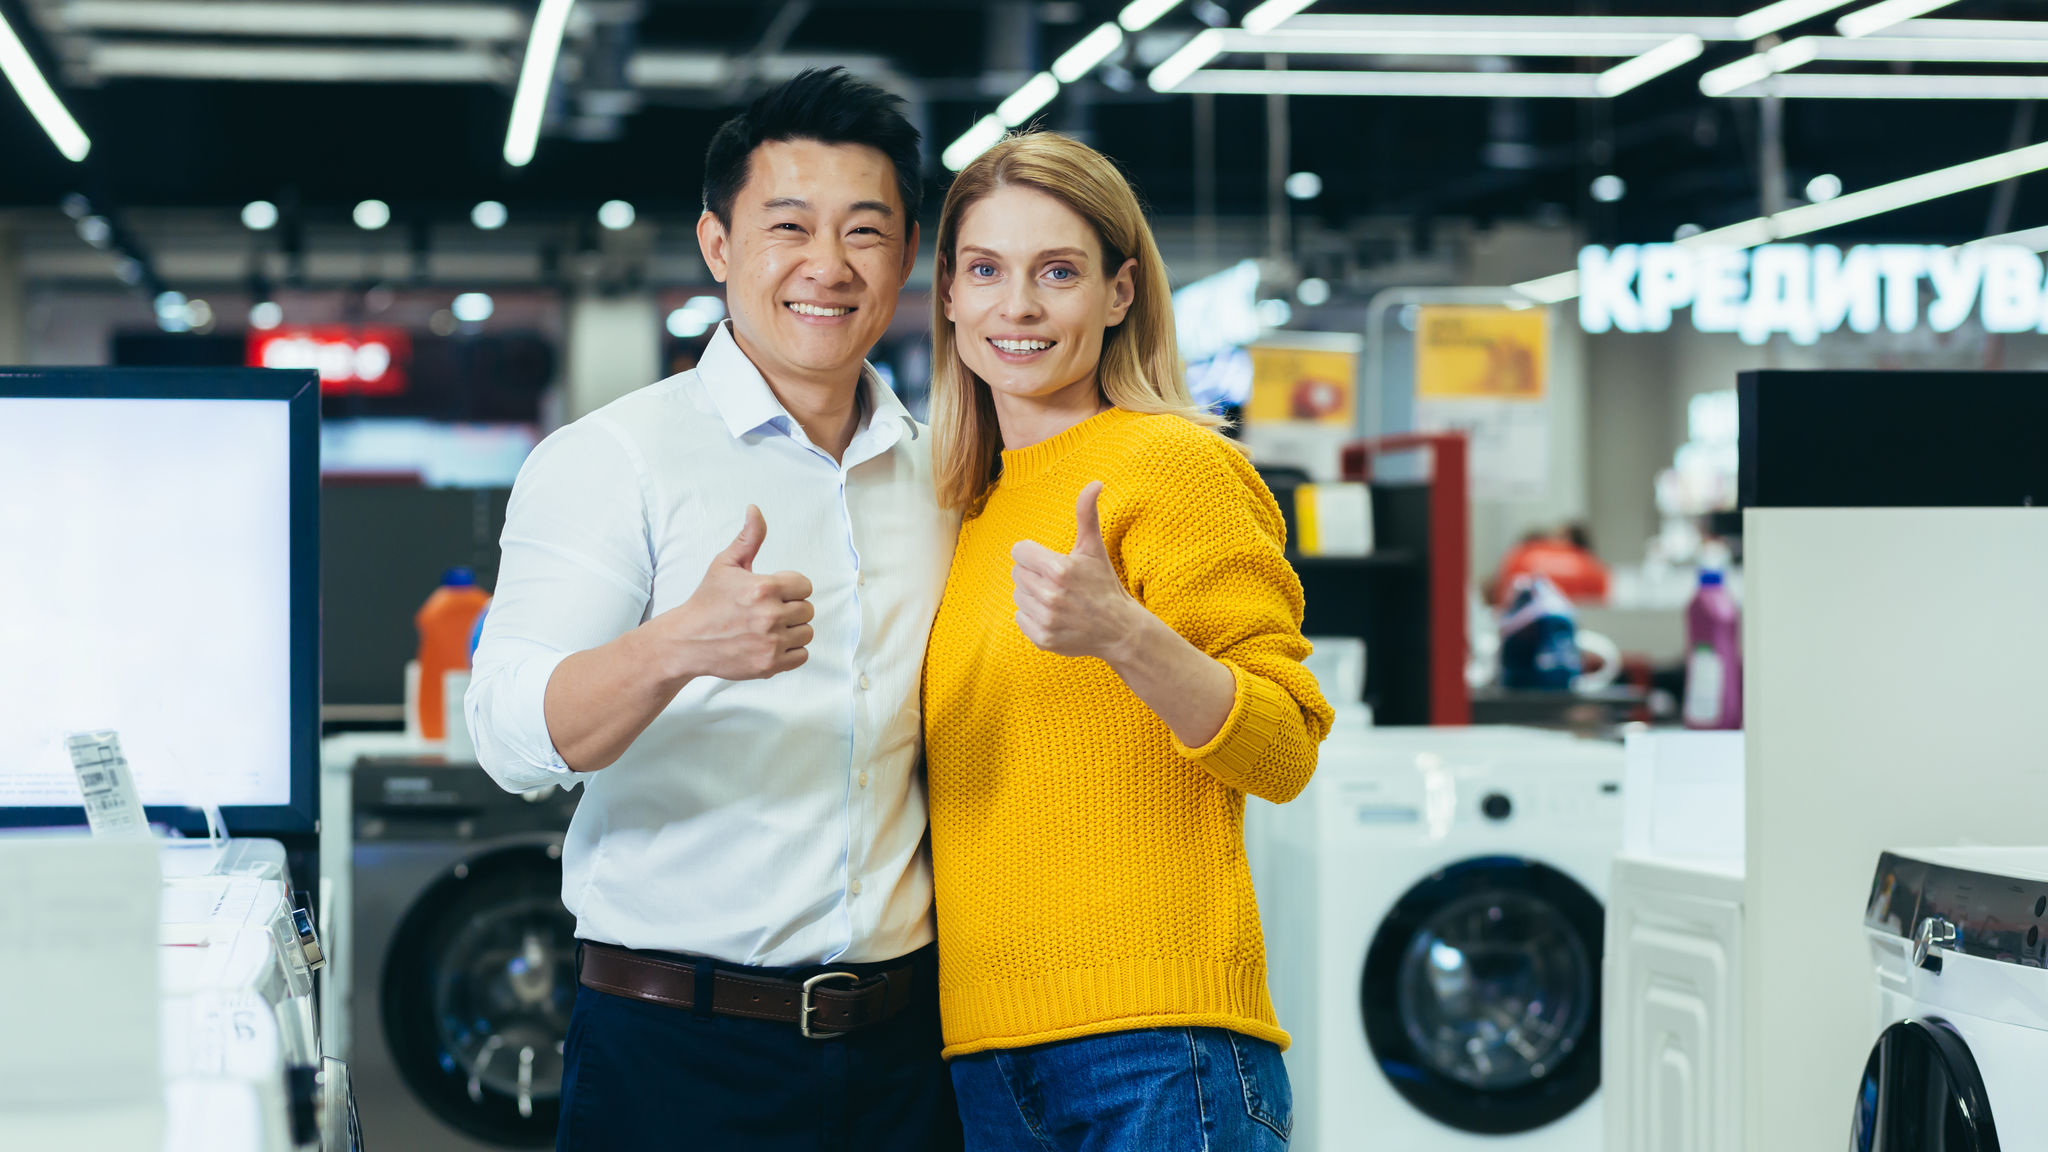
(1893, 439)
(160, 577)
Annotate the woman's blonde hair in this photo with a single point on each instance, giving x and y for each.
(1140, 369)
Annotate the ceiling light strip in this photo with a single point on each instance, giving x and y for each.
(1660, 27)
(1886, 86)
(21, 71)
(1087, 52)
(1841, 210)
(1631, 74)
(1970, 29)
(1785, 13)
(1885, 14)
(530, 100)
(1928, 50)
(1273, 13)
(1462, 43)
(986, 134)
(1142, 14)
(1020, 105)
(1260, 82)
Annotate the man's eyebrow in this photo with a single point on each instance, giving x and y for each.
(799, 204)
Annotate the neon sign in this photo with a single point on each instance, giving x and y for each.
(1807, 291)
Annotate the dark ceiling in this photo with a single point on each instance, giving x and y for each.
(431, 150)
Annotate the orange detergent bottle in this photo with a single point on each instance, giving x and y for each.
(445, 622)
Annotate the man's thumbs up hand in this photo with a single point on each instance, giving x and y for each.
(737, 625)
(1074, 604)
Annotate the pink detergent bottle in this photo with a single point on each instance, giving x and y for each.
(1713, 656)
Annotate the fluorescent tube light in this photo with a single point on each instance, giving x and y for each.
(1930, 50)
(1884, 14)
(1139, 15)
(1785, 13)
(1263, 82)
(1460, 43)
(1903, 87)
(1091, 50)
(1551, 289)
(1656, 62)
(2034, 238)
(1971, 29)
(985, 134)
(1658, 27)
(1206, 46)
(289, 64)
(1731, 78)
(530, 101)
(1273, 13)
(1036, 93)
(21, 71)
(1845, 209)
(306, 18)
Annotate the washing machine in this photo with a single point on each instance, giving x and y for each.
(1434, 926)
(463, 960)
(1956, 935)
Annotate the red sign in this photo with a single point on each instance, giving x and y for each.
(351, 361)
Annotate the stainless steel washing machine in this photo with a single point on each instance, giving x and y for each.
(464, 958)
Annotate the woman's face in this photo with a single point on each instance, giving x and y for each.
(1028, 295)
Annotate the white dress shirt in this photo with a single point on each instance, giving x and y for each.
(774, 822)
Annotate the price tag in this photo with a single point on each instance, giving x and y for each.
(112, 806)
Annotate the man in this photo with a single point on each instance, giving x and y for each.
(747, 867)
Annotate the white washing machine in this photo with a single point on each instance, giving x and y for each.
(1957, 935)
(1434, 927)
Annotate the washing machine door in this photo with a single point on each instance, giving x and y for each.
(478, 986)
(1921, 1092)
(1481, 995)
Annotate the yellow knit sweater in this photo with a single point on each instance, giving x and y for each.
(1091, 871)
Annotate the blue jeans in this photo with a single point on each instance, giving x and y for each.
(1149, 1090)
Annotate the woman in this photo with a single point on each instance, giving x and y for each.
(1116, 663)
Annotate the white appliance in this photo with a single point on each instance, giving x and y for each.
(243, 1067)
(1671, 1052)
(1956, 935)
(1433, 915)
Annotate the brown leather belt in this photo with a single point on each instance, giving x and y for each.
(819, 1010)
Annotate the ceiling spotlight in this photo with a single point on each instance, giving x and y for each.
(170, 312)
(1608, 189)
(1274, 313)
(1825, 186)
(489, 215)
(472, 307)
(267, 314)
(1314, 291)
(95, 230)
(76, 206)
(371, 215)
(1304, 186)
(199, 314)
(697, 316)
(129, 271)
(616, 215)
(259, 215)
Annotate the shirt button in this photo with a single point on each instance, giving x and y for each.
(863, 683)
(856, 887)
(863, 778)
(860, 579)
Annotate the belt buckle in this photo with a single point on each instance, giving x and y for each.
(805, 1007)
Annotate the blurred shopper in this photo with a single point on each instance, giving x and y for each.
(1116, 664)
(1565, 558)
(747, 868)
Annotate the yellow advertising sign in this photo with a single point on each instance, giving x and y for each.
(1466, 353)
(1303, 385)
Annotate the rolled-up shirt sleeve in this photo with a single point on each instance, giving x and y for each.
(576, 572)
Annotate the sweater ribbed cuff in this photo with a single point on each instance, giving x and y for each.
(1256, 717)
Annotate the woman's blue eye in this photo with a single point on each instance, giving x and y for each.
(983, 270)
(1061, 272)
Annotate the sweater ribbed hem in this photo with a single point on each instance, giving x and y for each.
(1256, 717)
(1027, 464)
(1119, 997)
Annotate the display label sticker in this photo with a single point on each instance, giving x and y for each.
(112, 805)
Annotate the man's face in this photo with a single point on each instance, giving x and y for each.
(817, 254)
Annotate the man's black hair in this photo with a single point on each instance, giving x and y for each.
(823, 104)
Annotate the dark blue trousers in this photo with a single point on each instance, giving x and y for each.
(640, 1077)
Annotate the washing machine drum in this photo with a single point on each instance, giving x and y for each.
(1921, 1092)
(478, 987)
(1481, 995)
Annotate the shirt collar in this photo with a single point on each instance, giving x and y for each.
(747, 404)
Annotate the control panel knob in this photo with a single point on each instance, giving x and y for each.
(1935, 936)
(1497, 806)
